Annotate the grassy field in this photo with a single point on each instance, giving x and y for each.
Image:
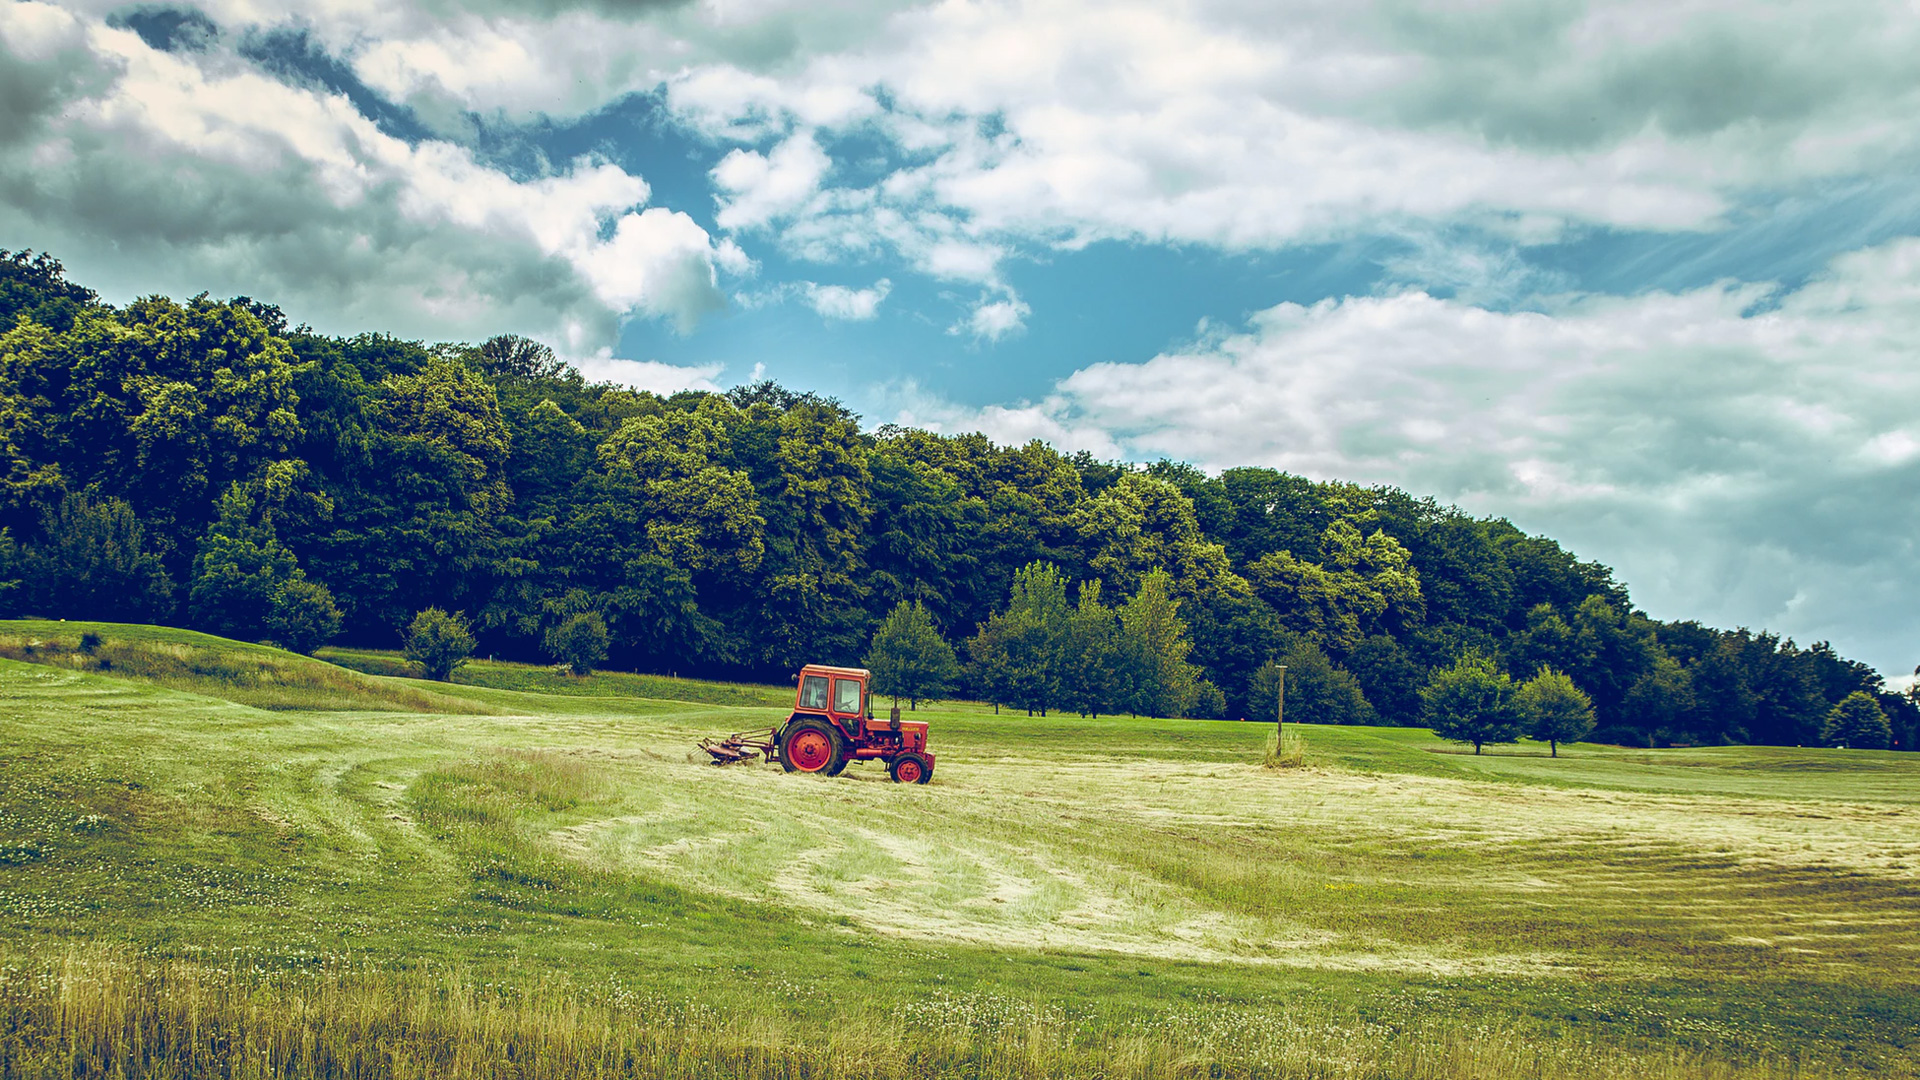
(218, 858)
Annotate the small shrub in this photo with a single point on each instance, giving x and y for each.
(580, 642)
(439, 643)
(1319, 691)
(89, 643)
(304, 616)
(1209, 702)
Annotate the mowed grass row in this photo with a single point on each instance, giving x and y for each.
(1608, 911)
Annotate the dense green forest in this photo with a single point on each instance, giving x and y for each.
(205, 464)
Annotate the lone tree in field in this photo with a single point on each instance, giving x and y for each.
(1858, 723)
(580, 641)
(439, 643)
(1553, 709)
(1472, 702)
(909, 658)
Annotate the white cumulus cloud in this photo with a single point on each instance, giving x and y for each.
(759, 187)
(147, 170)
(1011, 126)
(1024, 124)
(652, 375)
(994, 318)
(840, 302)
(1736, 462)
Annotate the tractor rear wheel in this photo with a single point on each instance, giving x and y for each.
(910, 768)
(812, 746)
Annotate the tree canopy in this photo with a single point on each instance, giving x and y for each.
(202, 462)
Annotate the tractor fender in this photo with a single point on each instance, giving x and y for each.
(824, 717)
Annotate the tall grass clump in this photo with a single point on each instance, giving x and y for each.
(497, 791)
(1287, 750)
(92, 1012)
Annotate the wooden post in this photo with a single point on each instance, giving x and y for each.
(1280, 722)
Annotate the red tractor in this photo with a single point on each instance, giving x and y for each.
(831, 725)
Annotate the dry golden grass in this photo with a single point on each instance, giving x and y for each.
(101, 1013)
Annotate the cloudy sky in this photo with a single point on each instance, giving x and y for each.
(1643, 276)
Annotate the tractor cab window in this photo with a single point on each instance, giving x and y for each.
(846, 696)
(813, 693)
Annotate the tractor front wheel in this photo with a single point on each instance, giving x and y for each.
(812, 746)
(910, 768)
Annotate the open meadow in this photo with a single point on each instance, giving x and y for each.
(221, 858)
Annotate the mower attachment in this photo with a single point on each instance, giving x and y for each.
(740, 746)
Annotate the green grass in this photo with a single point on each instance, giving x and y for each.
(1068, 897)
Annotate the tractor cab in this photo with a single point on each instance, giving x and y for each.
(837, 693)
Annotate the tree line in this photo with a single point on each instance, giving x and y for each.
(205, 463)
